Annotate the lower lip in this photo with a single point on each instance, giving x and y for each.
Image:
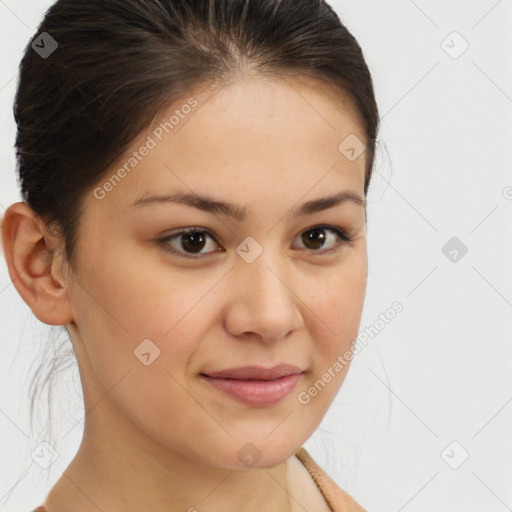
(256, 392)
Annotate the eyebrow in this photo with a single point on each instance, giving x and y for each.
(239, 213)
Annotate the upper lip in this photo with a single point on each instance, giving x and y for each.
(256, 372)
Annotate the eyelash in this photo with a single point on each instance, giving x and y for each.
(343, 239)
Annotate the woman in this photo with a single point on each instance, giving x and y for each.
(194, 176)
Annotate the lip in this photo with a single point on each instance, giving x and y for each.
(256, 385)
(256, 372)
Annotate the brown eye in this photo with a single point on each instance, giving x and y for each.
(316, 238)
(193, 241)
(188, 243)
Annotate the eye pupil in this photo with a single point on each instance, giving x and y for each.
(317, 240)
(196, 239)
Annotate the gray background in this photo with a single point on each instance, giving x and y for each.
(441, 370)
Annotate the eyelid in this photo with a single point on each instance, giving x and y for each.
(342, 239)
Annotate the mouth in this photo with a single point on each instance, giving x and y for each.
(255, 385)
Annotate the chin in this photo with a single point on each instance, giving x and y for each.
(245, 454)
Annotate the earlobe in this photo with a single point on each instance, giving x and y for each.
(31, 256)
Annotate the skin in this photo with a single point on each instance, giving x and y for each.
(157, 437)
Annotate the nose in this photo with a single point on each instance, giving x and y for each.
(263, 303)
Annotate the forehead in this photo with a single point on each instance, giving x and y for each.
(298, 104)
(253, 136)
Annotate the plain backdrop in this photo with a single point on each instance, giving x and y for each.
(423, 420)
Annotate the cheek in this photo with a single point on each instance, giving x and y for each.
(121, 309)
(134, 299)
(336, 309)
(121, 305)
(337, 301)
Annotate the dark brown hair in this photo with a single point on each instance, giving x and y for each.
(120, 62)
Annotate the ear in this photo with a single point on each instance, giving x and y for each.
(34, 265)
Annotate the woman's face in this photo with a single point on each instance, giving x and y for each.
(154, 317)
